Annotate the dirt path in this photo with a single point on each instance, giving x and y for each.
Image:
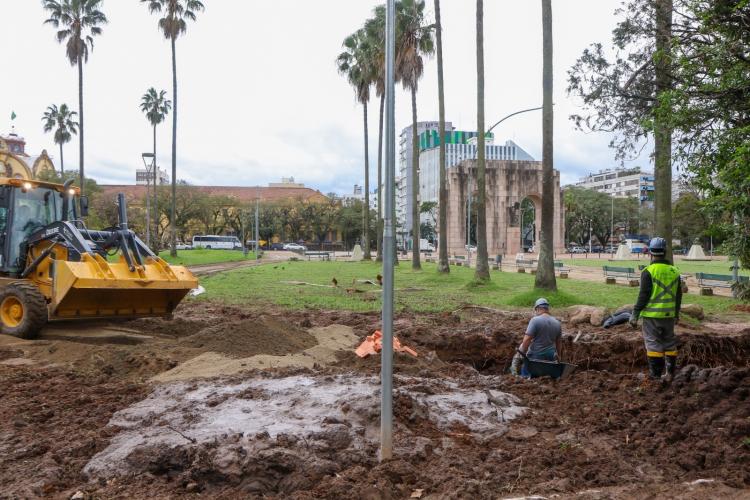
(80, 410)
(210, 269)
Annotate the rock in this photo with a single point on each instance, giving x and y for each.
(626, 308)
(522, 433)
(580, 314)
(78, 495)
(597, 316)
(692, 310)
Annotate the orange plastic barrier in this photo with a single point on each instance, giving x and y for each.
(373, 344)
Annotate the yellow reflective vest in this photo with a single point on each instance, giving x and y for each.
(665, 279)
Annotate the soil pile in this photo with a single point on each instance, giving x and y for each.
(51, 423)
(245, 338)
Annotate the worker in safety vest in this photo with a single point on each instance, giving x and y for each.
(658, 304)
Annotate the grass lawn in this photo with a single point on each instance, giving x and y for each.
(713, 267)
(201, 256)
(430, 291)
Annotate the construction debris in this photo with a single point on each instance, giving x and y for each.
(373, 345)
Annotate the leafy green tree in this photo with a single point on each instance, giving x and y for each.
(174, 23)
(413, 42)
(712, 113)
(689, 220)
(77, 22)
(63, 121)
(631, 95)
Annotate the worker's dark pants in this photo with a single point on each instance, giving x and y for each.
(658, 335)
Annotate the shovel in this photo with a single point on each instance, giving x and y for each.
(554, 369)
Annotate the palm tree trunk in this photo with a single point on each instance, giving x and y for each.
(379, 257)
(80, 122)
(62, 163)
(662, 130)
(173, 208)
(366, 207)
(415, 257)
(545, 274)
(482, 271)
(156, 203)
(443, 265)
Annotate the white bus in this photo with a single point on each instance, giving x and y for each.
(214, 241)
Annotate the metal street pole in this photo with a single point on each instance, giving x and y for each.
(511, 115)
(386, 354)
(612, 229)
(589, 235)
(148, 196)
(257, 203)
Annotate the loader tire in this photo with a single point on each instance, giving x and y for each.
(23, 310)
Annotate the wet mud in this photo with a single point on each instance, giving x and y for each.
(604, 432)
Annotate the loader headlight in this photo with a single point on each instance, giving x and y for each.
(72, 192)
(27, 185)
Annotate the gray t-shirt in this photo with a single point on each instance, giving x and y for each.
(545, 330)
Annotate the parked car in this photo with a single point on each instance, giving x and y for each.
(277, 246)
(597, 248)
(295, 247)
(611, 249)
(576, 249)
(183, 246)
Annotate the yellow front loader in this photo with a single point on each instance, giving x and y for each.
(53, 268)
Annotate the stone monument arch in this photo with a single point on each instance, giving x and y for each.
(508, 183)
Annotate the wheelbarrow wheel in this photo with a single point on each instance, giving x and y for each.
(23, 310)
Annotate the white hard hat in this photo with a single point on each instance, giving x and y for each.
(541, 302)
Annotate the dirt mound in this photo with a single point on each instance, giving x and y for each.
(176, 327)
(262, 335)
(51, 423)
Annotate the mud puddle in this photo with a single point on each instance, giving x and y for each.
(233, 427)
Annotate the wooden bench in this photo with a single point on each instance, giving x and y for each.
(523, 264)
(561, 269)
(457, 260)
(707, 281)
(318, 255)
(611, 273)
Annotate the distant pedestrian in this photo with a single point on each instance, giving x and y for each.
(659, 302)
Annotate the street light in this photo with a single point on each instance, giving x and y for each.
(148, 202)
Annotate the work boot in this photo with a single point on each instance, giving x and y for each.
(671, 364)
(655, 367)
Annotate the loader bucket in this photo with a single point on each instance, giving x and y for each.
(95, 288)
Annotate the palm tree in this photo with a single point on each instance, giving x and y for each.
(155, 106)
(174, 23)
(63, 121)
(413, 40)
(482, 271)
(375, 29)
(356, 64)
(79, 21)
(545, 275)
(443, 265)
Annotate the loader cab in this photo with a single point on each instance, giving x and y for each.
(26, 207)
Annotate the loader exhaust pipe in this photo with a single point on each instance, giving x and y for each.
(122, 212)
(66, 199)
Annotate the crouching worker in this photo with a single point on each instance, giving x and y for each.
(542, 339)
(659, 304)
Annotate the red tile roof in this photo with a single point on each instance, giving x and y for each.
(243, 194)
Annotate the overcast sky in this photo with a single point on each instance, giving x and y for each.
(260, 97)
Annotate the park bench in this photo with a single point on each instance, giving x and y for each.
(523, 263)
(457, 260)
(611, 273)
(318, 255)
(707, 282)
(561, 269)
